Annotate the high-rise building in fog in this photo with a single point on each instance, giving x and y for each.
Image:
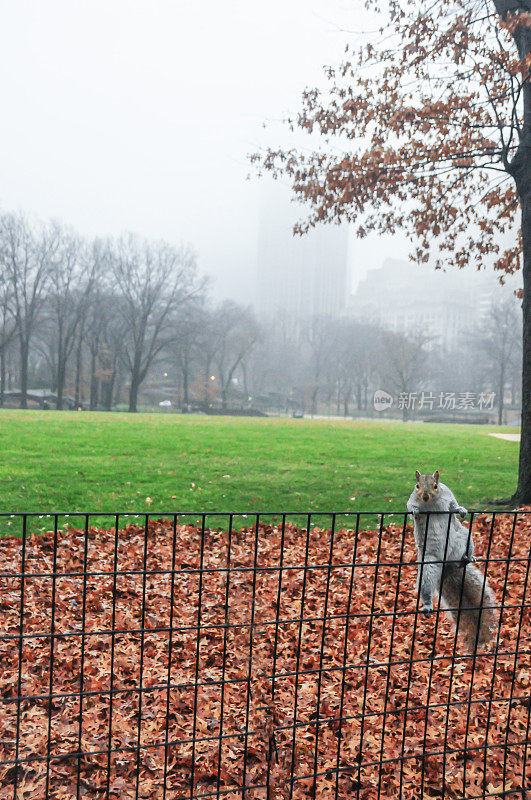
(442, 306)
(305, 275)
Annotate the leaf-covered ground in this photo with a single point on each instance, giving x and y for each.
(467, 721)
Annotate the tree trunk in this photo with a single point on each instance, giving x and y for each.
(313, 409)
(138, 373)
(133, 394)
(520, 169)
(501, 393)
(107, 390)
(93, 383)
(118, 380)
(61, 367)
(207, 382)
(359, 396)
(523, 491)
(185, 371)
(2, 375)
(24, 355)
(110, 391)
(94, 392)
(79, 372)
(60, 385)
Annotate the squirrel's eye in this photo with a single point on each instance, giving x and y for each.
(435, 488)
(418, 487)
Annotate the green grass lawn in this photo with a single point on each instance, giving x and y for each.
(68, 461)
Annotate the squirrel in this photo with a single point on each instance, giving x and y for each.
(445, 554)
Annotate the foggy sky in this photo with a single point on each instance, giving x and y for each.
(139, 115)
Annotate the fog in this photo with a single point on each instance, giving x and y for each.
(139, 116)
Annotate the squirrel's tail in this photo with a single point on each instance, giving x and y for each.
(470, 603)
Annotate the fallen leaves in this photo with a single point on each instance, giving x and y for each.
(235, 683)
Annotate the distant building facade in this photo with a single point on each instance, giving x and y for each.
(304, 276)
(406, 298)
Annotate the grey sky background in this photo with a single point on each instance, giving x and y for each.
(139, 115)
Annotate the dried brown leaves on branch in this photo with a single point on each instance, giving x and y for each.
(418, 129)
(243, 719)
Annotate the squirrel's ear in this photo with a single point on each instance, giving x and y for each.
(417, 475)
(436, 475)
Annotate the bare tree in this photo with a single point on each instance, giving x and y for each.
(96, 319)
(319, 340)
(185, 351)
(207, 345)
(72, 276)
(103, 335)
(154, 279)
(7, 328)
(404, 364)
(236, 331)
(354, 359)
(26, 253)
(260, 368)
(497, 340)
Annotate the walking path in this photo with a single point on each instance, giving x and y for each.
(510, 437)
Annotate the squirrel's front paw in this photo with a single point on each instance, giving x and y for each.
(462, 512)
(426, 609)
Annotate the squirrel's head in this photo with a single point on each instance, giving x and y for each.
(427, 486)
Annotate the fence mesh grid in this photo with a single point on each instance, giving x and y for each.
(255, 656)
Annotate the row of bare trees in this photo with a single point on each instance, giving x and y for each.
(61, 296)
(106, 313)
(336, 365)
(94, 320)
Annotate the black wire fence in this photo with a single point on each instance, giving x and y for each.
(256, 656)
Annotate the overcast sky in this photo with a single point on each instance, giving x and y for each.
(139, 115)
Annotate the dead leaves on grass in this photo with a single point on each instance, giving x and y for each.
(467, 721)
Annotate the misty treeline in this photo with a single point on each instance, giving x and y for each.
(113, 320)
(335, 365)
